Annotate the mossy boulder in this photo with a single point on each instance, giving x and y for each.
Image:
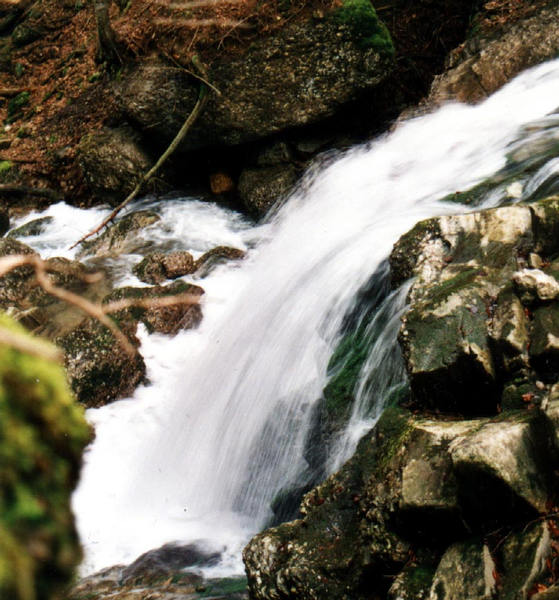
(415, 487)
(42, 436)
(99, 368)
(298, 75)
(469, 328)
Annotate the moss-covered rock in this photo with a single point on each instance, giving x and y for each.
(98, 367)
(298, 75)
(42, 435)
(34, 227)
(216, 256)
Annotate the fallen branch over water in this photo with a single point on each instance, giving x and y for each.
(202, 99)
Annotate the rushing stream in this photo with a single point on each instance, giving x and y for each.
(200, 453)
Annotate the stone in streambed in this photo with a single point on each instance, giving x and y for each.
(216, 256)
(122, 237)
(157, 266)
(524, 557)
(166, 561)
(34, 227)
(534, 285)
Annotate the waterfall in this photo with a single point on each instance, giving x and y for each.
(201, 452)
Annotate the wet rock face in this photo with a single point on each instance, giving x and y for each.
(42, 436)
(454, 500)
(99, 368)
(297, 76)
(4, 222)
(483, 65)
(478, 317)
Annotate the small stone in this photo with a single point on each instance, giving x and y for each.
(535, 261)
(221, 183)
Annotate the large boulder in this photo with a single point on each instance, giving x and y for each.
(298, 75)
(42, 436)
(113, 162)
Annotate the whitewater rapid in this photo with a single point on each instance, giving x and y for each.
(200, 452)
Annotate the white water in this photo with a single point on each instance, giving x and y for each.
(200, 453)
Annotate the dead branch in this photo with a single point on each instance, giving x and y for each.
(29, 345)
(202, 98)
(150, 303)
(9, 92)
(22, 190)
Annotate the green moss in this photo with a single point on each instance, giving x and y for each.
(42, 435)
(369, 31)
(16, 104)
(5, 166)
(224, 587)
(443, 290)
(345, 365)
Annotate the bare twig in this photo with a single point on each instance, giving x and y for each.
(27, 344)
(150, 303)
(202, 98)
(8, 92)
(183, 68)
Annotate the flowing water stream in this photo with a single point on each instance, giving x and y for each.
(200, 453)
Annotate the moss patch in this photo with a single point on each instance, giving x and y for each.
(42, 435)
(369, 31)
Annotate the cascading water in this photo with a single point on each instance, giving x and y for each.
(201, 452)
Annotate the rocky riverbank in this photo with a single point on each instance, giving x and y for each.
(453, 494)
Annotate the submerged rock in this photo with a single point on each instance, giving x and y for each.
(42, 436)
(122, 237)
(216, 256)
(34, 227)
(166, 561)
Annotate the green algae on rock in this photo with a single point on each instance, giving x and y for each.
(42, 436)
